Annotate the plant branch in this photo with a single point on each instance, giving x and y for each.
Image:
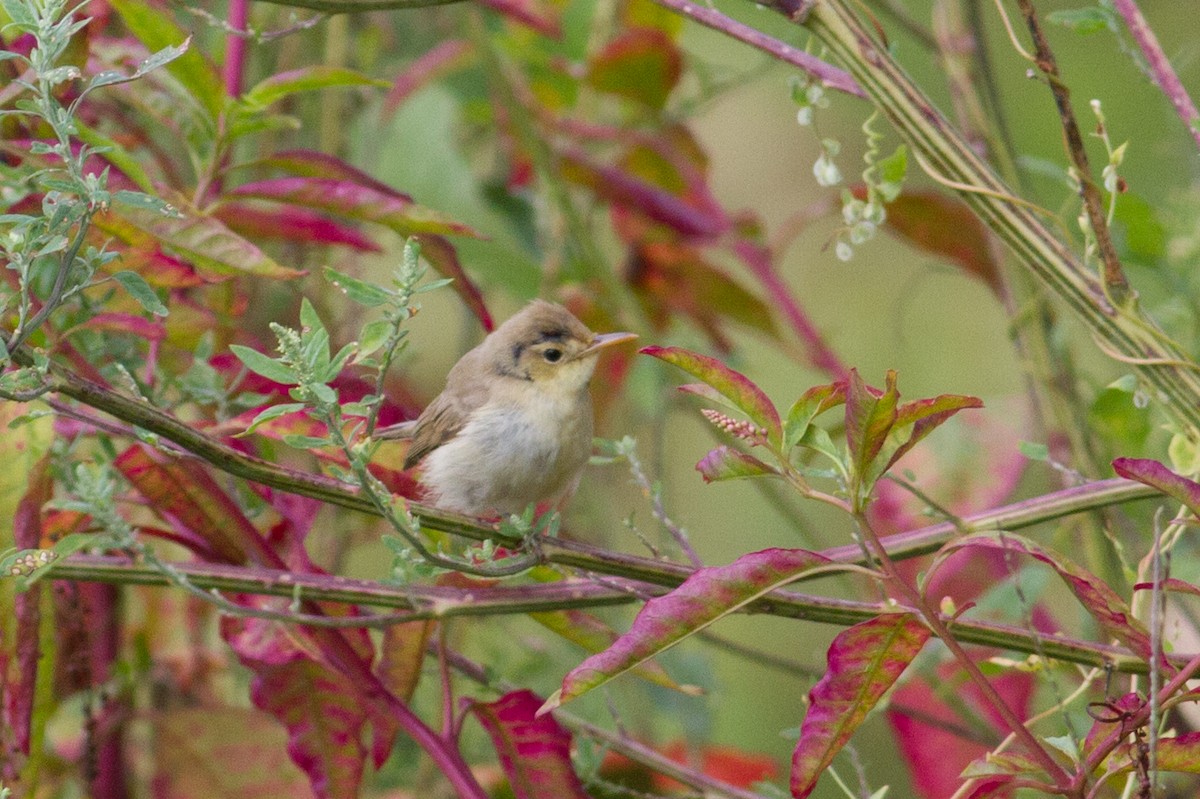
(426, 602)
(1160, 66)
(1115, 282)
(1052, 263)
(829, 75)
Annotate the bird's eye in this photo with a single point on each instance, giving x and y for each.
(552, 355)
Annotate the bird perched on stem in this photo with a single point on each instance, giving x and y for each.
(514, 424)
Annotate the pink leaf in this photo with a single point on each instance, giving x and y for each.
(530, 14)
(446, 57)
(535, 751)
(316, 164)
(1180, 753)
(864, 662)
(620, 187)
(734, 386)
(292, 224)
(125, 323)
(1155, 475)
(186, 495)
(705, 597)
(925, 416)
(1101, 601)
(362, 203)
(726, 463)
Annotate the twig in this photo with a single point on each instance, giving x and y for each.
(1160, 66)
(829, 75)
(1114, 276)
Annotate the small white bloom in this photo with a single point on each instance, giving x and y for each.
(843, 251)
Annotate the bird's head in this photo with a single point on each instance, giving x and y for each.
(545, 343)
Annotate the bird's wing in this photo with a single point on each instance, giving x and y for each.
(438, 423)
(450, 411)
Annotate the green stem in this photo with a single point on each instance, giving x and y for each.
(427, 602)
(1124, 332)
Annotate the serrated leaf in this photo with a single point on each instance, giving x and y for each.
(735, 387)
(864, 662)
(727, 463)
(705, 597)
(260, 364)
(140, 290)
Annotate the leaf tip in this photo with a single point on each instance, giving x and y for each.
(550, 704)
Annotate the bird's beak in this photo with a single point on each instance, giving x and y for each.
(603, 340)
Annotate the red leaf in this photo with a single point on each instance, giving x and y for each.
(323, 715)
(1101, 601)
(446, 57)
(352, 200)
(291, 224)
(187, 497)
(726, 463)
(441, 253)
(641, 64)
(620, 187)
(1155, 475)
(19, 682)
(535, 751)
(530, 14)
(870, 416)
(864, 662)
(735, 387)
(705, 597)
(672, 278)
(151, 330)
(925, 416)
(946, 227)
(316, 164)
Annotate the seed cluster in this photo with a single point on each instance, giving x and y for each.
(738, 428)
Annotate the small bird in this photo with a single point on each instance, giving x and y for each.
(514, 424)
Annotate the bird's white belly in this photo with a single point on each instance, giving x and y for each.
(505, 459)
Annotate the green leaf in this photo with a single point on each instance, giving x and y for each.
(305, 442)
(115, 154)
(809, 406)
(155, 29)
(307, 79)
(274, 412)
(891, 172)
(140, 290)
(373, 336)
(1090, 19)
(260, 364)
(148, 202)
(359, 291)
